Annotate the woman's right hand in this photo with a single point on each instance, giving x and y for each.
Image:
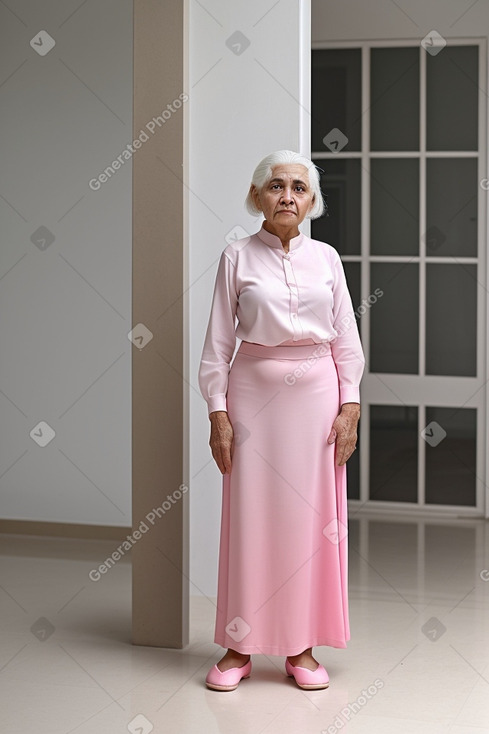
(221, 440)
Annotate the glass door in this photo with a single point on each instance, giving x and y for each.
(399, 131)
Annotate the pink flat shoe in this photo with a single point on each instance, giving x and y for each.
(229, 679)
(310, 680)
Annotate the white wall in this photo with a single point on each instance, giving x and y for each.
(241, 108)
(65, 310)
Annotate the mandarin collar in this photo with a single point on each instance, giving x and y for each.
(273, 241)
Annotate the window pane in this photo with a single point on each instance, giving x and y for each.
(336, 93)
(394, 318)
(353, 279)
(352, 272)
(394, 224)
(450, 459)
(340, 183)
(353, 473)
(451, 319)
(394, 453)
(394, 95)
(452, 80)
(451, 207)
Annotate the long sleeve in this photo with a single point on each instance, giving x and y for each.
(346, 347)
(265, 296)
(220, 338)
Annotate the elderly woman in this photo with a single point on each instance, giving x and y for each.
(284, 421)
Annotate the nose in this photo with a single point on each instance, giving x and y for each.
(286, 198)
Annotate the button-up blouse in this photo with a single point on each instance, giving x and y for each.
(266, 296)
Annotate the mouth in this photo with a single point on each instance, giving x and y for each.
(285, 211)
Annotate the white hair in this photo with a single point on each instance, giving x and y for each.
(263, 174)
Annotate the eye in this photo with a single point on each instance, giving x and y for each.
(275, 186)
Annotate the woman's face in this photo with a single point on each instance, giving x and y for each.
(287, 197)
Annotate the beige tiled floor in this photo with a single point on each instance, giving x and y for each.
(418, 659)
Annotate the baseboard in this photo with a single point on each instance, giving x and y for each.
(64, 530)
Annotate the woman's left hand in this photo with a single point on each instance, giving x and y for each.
(344, 432)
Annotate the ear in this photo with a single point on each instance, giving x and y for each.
(255, 198)
(313, 201)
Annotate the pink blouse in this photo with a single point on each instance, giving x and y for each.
(278, 298)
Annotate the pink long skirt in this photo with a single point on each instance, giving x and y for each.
(282, 582)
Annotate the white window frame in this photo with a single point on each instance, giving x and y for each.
(379, 389)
